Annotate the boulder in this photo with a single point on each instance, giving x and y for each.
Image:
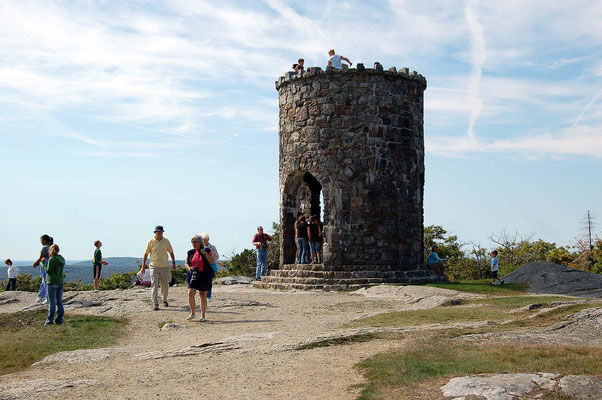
(234, 280)
(543, 277)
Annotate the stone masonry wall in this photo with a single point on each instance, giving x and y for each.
(356, 134)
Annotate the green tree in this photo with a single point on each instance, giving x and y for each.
(448, 245)
(243, 263)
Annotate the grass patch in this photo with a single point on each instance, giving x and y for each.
(430, 316)
(522, 301)
(26, 340)
(483, 286)
(435, 359)
(338, 341)
(161, 323)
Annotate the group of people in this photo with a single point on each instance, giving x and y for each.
(437, 264)
(334, 60)
(201, 267)
(200, 263)
(309, 238)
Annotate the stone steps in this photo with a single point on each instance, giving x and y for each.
(313, 278)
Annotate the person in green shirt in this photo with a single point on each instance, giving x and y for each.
(97, 263)
(54, 280)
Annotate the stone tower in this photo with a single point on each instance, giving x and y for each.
(352, 151)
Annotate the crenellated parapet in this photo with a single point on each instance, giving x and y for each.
(402, 73)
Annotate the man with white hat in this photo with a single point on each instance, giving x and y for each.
(158, 248)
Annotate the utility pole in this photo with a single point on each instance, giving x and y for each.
(589, 224)
(589, 231)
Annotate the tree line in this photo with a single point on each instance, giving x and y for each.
(467, 260)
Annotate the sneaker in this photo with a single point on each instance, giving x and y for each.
(39, 300)
(191, 317)
(202, 319)
(502, 282)
(58, 322)
(156, 307)
(48, 323)
(166, 304)
(45, 301)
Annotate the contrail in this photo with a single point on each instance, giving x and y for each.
(478, 54)
(587, 107)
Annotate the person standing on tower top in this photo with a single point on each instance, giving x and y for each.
(334, 60)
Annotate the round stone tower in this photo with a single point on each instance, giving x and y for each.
(352, 151)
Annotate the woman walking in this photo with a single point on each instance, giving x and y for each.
(198, 264)
(47, 241)
(214, 253)
(54, 269)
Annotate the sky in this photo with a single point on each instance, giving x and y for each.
(119, 116)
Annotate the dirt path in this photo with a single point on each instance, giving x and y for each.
(242, 352)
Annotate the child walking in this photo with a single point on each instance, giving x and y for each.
(494, 268)
(12, 275)
(54, 271)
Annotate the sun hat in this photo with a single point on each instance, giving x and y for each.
(158, 228)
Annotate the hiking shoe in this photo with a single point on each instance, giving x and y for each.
(156, 308)
(191, 317)
(166, 304)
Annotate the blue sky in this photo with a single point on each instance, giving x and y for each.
(118, 116)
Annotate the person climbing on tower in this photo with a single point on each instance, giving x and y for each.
(334, 60)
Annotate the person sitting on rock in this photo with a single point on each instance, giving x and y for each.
(434, 262)
(143, 278)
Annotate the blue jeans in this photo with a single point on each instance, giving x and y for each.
(55, 300)
(262, 262)
(315, 249)
(302, 250)
(43, 292)
(12, 283)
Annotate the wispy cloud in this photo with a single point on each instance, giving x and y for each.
(478, 55)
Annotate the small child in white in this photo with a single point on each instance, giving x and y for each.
(494, 268)
(13, 271)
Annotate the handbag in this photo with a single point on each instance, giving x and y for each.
(194, 276)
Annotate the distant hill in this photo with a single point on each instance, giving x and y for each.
(83, 271)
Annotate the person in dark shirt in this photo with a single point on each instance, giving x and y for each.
(97, 263)
(262, 242)
(302, 239)
(314, 231)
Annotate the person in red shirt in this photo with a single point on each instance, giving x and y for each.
(262, 242)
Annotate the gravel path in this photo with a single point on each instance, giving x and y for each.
(244, 351)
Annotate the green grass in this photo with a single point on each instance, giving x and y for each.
(26, 340)
(339, 341)
(483, 286)
(430, 316)
(438, 358)
(522, 301)
(490, 309)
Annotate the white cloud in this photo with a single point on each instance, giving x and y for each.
(581, 141)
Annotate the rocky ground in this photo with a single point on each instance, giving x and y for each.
(255, 344)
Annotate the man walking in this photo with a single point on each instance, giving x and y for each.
(158, 248)
(260, 241)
